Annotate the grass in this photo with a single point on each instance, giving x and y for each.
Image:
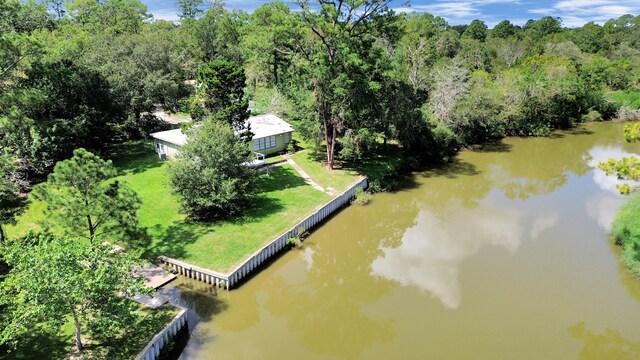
(273, 159)
(625, 98)
(338, 179)
(626, 231)
(374, 167)
(47, 343)
(283, 200)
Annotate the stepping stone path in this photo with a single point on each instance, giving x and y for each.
(304, 175)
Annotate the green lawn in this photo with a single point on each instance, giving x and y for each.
(317, 170)
(344, 174)
(46, 343)
(283, 200)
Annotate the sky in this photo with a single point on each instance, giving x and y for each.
(573, 12)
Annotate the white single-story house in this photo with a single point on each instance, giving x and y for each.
(271, 134)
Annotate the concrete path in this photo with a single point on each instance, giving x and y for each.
(155, 277)
(304, 175)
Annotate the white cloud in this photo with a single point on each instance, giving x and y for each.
(458, 10)
(165, 14)
(578, 12)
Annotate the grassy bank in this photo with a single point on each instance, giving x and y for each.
(47, 343)
(625, 98)
(626, 232)
(283, 200)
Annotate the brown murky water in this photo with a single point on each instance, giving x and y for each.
(503, 254)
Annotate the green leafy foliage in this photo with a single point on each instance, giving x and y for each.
(84, 203)
(210, 175)
(90, 284)
(12, 202)
(221, 92)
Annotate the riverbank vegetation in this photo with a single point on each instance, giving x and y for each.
(626, 232)
(368, 91)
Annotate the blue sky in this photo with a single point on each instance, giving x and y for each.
(572, 12)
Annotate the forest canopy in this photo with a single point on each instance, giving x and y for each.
(91, 73)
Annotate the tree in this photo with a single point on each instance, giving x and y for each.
(221, 91)
(143, 69)
(210, 174)
(477, 30)
(273, 38)
(12, 203)
(84, 201)
(219, 32)
(504, 30)
(54, 278)
(538, 29)
(345, 32)
(451, 82)
(189, 9)
(56, 108)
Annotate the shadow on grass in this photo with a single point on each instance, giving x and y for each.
(280, 178)
(40, 343)
(133, 157)
(171, 241)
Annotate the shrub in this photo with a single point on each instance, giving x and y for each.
(362, 197)
(593, 115)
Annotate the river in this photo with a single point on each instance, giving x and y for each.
(502, 254)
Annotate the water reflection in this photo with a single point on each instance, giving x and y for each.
(464, 232)
(601, 153)
(609, 344)
(431, 252)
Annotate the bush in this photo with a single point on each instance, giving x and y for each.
(362, 197)
(626, 232)
(593, 115)
(445, 142)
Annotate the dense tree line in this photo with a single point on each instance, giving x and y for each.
(354, 75)
(88, 74)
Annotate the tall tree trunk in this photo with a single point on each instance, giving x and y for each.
(92, 230)
(76, 323)
(333, 147)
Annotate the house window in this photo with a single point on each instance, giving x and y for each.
(287, 138)
(264, 143)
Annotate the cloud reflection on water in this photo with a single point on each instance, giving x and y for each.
(602, 153)
(432, 251)
(603, 207)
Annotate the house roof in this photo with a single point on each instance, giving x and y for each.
(174, 136)
(268, 125)
(261, 126)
